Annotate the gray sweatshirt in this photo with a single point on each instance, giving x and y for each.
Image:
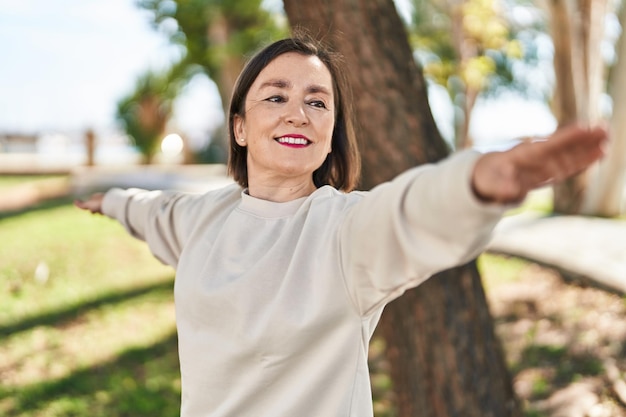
(276, 302)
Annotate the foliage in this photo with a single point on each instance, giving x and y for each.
(216, 35)
(213, 30)
(144, 112)
(481, 52)
(474, 47)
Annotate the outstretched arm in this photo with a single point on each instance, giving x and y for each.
(147, 215)
(507, 177)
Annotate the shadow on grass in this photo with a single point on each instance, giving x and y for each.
(560, 366)
(61, 316)
(140, 382)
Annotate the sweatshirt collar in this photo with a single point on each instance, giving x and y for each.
(269, 209)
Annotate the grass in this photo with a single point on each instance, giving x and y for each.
(539, 201)
(86, 319)
(558, 338)
(503, 268)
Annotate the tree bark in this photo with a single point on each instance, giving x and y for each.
(446, 359)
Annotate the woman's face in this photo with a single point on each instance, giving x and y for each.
(289, 119)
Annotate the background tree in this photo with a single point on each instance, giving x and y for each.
(577, 29)
(445, 357)
(470, 48)
(605, 195)
(144, 113)
(217, 35)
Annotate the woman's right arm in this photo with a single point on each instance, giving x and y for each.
(147, 215)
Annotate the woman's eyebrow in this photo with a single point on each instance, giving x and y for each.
(316, 88)
(279, 83)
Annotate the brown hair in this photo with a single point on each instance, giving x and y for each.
(342, 166)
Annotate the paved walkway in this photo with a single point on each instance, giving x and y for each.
(193, 178)
(585, 248)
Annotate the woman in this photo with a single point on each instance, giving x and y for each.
(282, 277)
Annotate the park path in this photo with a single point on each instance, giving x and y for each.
(580, 247)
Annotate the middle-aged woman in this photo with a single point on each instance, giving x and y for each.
(283, 275)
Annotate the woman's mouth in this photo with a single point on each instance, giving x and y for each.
(296, 141)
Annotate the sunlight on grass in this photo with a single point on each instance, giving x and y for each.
(86, 319)
(540, 200)
(499, 269)
(83, 254)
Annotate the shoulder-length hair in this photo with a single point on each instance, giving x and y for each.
(341, 168)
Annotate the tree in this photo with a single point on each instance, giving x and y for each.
(144, 115)
(468, 48)
(217, 35)
(446, 359)
(577, 31)
(604, 196)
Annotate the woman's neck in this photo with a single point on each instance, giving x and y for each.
(280, 192)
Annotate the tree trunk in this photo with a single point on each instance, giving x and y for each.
(568, 195)
(446, 359)
(219, 34)
(577, 28)
(465, 51)
(606, 194)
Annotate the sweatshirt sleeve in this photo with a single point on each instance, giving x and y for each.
(149, 216)
(402, 232)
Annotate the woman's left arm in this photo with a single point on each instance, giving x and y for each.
(440, 216)
(424, 221)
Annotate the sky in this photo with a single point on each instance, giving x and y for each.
(66, 63)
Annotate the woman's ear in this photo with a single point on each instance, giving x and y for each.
(240, 130)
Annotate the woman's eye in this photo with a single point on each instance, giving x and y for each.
(275, 99)
(318, 103)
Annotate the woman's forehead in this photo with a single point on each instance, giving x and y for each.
(292, 70)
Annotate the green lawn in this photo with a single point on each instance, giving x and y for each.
(86, 319)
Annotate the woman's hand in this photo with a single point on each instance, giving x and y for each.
(507, 177)
(92, 204)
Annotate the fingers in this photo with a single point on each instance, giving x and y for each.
(506, 177)
(93, 204)
(567, 152)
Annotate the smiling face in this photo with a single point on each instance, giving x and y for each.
(289, 120)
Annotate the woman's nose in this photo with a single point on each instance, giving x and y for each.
(295, 114)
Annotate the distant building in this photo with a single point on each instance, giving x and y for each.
(18, 143)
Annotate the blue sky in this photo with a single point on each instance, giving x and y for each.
(65, 64)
